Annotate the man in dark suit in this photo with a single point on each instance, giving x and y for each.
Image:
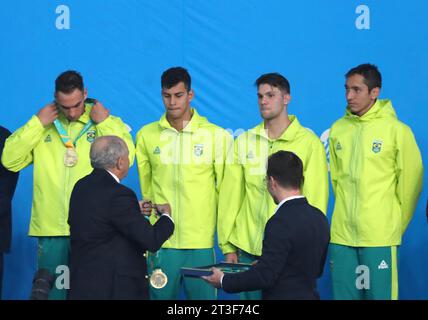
(295, 243)
(109, 234)
(8, 182)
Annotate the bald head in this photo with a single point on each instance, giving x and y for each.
(106, 151)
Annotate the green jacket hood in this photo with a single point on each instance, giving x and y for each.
(381, 109)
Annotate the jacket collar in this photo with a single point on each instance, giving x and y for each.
(381, 108)
(288, 200)
(103, 173)
(192, 126)
(294, 201)
(288, 135)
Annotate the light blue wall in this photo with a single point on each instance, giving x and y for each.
(122, 47)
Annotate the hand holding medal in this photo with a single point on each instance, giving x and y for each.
(147, 207)
(158, 279)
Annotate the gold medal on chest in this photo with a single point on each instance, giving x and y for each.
(70, 157)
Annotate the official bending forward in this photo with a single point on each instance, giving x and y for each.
(109, 234)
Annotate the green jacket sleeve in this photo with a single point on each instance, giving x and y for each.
(409, 174)
(144, 167)
(315, 186)
(332, 162)
(231, 196)
(223, 155)
(115, 126)
(18, 148)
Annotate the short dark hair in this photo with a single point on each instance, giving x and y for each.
(68, 81)
(174, 76)
(275, 80)
(370, 73)
(286, 168)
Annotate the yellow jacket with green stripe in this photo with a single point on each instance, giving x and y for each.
(376, 173)
(185, 169)
(53, 181)
(245, 205)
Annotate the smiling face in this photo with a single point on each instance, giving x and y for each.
(177, 102)
(272, 101)
(72, 104)
(360, 99)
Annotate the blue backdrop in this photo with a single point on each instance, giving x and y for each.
(122, 47)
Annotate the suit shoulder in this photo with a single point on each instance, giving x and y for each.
(4, 132)
(120, 188)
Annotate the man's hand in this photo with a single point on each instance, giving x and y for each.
(163, 208)
(48, 114)
(215, 278)
(99, 113)
(231, 257)
(146, 207)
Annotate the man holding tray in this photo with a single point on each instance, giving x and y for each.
(295, 241)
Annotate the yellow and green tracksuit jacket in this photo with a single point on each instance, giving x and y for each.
(245, 204)
(53, 181)
(185, 169)
(376, 173)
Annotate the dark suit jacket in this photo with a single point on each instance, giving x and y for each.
(109, 237)
(293, 255)
(8, 182)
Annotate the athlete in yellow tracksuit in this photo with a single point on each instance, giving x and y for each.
(245, 204)
(376, 173)
(181, 160)
(40, 144)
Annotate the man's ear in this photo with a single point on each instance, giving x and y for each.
(120, 163)
(287, 99)
(272, 182)
(374, 93)
(190, 95)
(85, 94)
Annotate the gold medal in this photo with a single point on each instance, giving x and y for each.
(158, 279)
(70, 157)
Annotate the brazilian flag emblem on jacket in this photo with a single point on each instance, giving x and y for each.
(377, 146)
(198, 149)
(90, 136)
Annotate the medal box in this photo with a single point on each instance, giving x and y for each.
(206, 270)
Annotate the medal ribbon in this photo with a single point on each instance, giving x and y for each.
(154, 258)
(64, 135)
